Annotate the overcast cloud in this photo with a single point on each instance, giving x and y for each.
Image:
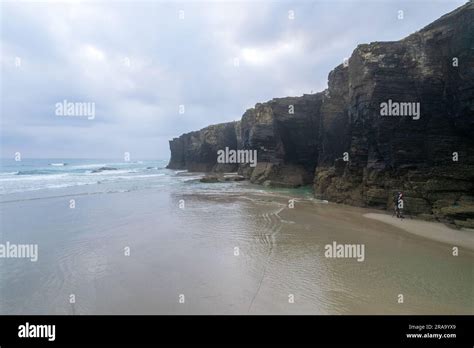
(138, 61)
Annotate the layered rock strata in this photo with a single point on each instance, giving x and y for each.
(397, 116)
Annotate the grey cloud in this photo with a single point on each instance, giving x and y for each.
(78, 52)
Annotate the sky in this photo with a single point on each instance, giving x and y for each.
(156, 69)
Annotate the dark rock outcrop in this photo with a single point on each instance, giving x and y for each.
(388, 154)
(340, 141)
(103, 169)
(197, 151)
(285, 132)
(213, 178)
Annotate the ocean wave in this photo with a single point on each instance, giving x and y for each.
(46, 187)
(100, 165)
(130, 177)
(61, 164)
(40, 179)
(33, 177)
(88, 166)
(70, 184)
(110, 172)
(35, 172)
(8, 173)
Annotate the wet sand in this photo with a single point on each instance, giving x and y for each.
(192, 252)
(432, 230)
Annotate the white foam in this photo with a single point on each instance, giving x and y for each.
(89, 166)
(35, 177)
(8, 173)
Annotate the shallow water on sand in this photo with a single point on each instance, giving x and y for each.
(192, 252)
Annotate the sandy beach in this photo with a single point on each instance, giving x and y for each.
(267, 247)
(432, 230)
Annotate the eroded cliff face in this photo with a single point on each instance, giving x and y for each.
(197, 151)
(417, 156)
(340, 141)
(285, 133)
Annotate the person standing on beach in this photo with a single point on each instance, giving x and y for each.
(399, 205)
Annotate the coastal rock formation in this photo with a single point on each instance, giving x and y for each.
(351, 151)
(197, 151)
(285, 133)
(219, 177)
(430, 159)
(102, 169)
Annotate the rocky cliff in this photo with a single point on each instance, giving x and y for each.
(285, 132)
(197, 151)
(341, 141)
(431, 158)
